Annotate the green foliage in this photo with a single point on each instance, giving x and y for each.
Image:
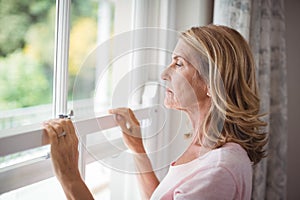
(22, 82)
(10, 39)
(26, 52)
(39, 40)
(16, 18)
(84, 9)
(27, 47)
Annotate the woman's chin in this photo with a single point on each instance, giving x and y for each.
(172, 105)
(168, 105)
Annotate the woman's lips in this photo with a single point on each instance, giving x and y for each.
(169, 91)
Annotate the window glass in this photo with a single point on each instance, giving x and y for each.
(26, 81)
(92, 23)
(83, 38)
(26, 78)
(94, 69)
(26, 61)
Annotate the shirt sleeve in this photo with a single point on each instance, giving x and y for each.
(210, 184)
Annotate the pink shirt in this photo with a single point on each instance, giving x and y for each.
(223, 173)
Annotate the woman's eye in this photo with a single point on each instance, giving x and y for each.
(178, 64)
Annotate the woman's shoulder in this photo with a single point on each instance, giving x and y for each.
(232, 149)
(230, 155)
(226, 169)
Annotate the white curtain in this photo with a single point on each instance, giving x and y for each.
(262, 23)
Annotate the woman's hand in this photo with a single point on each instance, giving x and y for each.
(130, 126)
(60, 133)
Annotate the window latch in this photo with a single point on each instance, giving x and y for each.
(68, 116)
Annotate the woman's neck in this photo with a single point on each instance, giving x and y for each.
(196, 115)
(193, 152)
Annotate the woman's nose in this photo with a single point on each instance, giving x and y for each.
(165, 74)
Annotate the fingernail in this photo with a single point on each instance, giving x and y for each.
(45, 124)
(119, 117)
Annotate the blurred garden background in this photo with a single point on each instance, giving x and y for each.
(27, 37)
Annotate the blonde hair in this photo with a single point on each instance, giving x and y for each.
(228, 68)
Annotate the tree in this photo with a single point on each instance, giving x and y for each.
(26, 48)
(22, 82)
(16, 18)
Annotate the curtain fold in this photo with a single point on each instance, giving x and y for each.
(262, 23)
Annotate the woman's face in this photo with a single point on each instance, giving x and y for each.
(185, 87)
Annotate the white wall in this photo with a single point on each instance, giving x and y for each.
(292, 8)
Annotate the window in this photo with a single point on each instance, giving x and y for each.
(26, 61)
(26, 73)
(62, 56)
(22, 154)
(27, 78)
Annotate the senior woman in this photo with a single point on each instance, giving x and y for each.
(212, 79)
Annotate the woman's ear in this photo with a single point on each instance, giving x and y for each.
(208, 91)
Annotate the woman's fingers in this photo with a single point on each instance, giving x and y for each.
(130, 126)
(50, 133)
(56, 126)
(126, 119)
(58, 129)
(64, 148)
(71, 130)
(127, 114)
(133, 118)
(121, 121)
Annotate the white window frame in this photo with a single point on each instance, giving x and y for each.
(28, 137)
(31, 136)
(61, 57)
(41, 167)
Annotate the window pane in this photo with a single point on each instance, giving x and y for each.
(93, 70)
(91, 24)
(83, 39)
(26, 61)
(26, 74)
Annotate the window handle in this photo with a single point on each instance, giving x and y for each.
(69, 116)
